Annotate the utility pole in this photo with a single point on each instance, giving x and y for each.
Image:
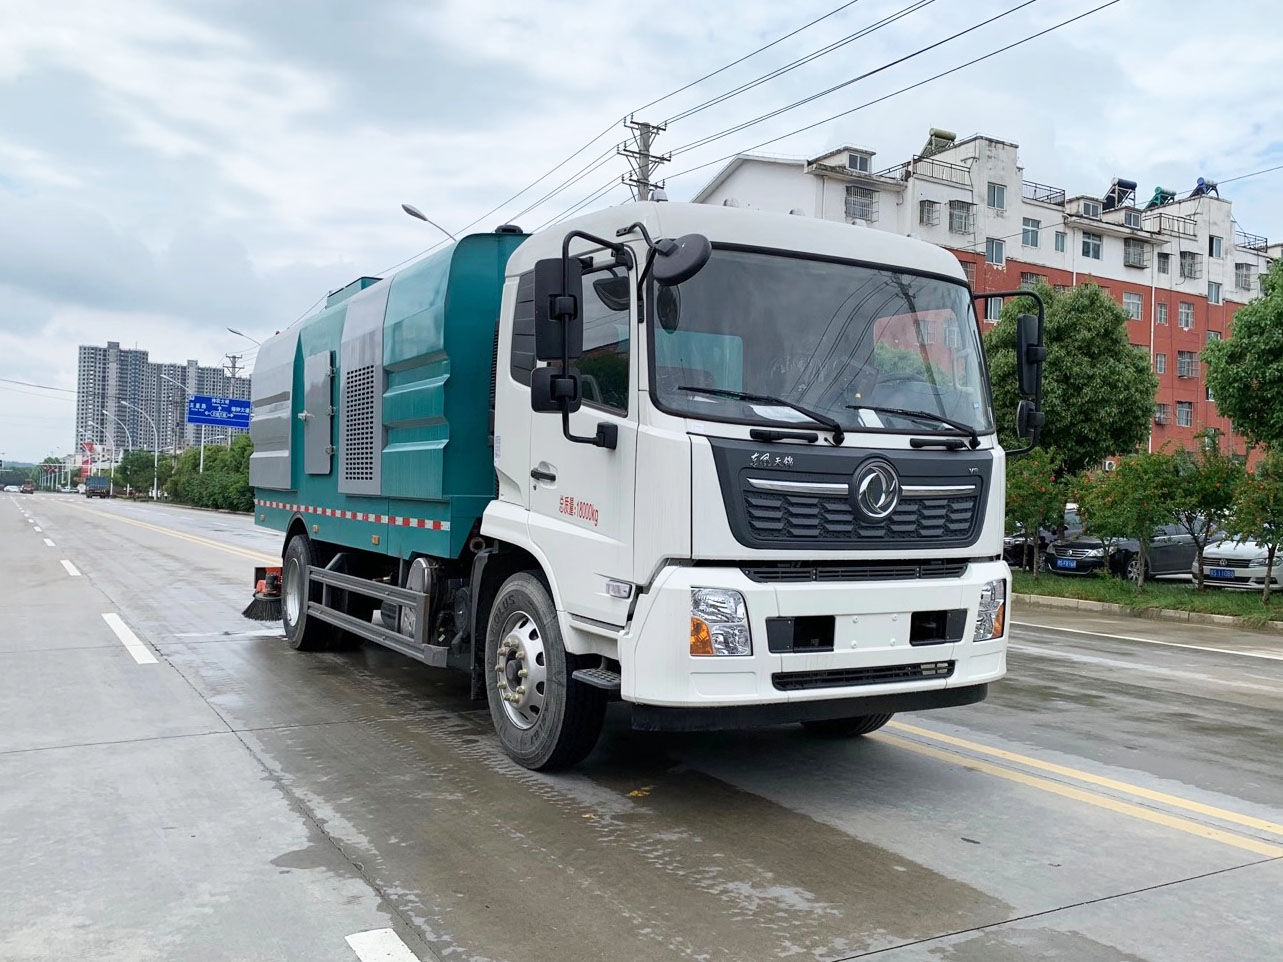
(233, 364)
(643, 161)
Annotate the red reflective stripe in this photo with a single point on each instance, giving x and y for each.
(356, 515)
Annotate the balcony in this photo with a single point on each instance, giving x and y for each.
(1252, 242)
(1173, 224)
(930, 167)
(1041, 193)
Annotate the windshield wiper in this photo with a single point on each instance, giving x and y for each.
(822, 419)
(922, 416)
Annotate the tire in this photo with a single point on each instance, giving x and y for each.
(847, 727)
(303, 633)
(1130, 568)
(543, 730)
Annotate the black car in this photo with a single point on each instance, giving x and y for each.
(1015, 545)
(1171, 552)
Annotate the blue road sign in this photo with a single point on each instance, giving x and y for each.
(223, 412)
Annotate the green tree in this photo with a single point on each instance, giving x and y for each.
(1098, 390)
(1035, 499)
(1203, 492)
(1244, 371)
(223, 484)
(1258, 511)
(1130, 502)
(136, 470)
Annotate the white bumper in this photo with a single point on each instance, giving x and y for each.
(871, 630)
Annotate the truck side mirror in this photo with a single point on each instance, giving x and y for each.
(559, 297)
(1029, 421)
(552, 391)
(1029, 355)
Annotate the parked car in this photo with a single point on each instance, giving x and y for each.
(11, 489)
(1014, 544)
(98, 486)
(28, 488)
(1171, 552)
(1239, 564)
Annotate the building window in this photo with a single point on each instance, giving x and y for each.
(1131, 305)
(1185, 413)
(1164, 263)
(1091, 245)
(1186, 365)
(1091, 208)
(928, 212)
(1030, 279)
(1191, 264)
(1214, 244)
(1160, 363)
(1134, 252)
(1062, 288)
(1213, 292)
(1243, 277)
(997, 196)
(925, 331)
(993, 308)
(961, 216)
(1213, 336)
(969, 269)
(1162, 314)
(1162, 413)
(995, 251)
(859, 162)
(861, 203)
(1131, 218)
(1029, 232)
(1060, 242)
(1207, 392)
(1185, 315)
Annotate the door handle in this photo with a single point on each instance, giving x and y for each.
(539, 475)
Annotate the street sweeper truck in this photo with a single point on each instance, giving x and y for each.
(731, 468)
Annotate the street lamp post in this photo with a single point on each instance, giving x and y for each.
(111, 475)
(155, 443)
(183, 388)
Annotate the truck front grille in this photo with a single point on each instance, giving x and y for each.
(855, 571)
(846, 677)
(821, 518)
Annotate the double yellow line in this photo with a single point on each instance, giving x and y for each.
(1015, 767)
(255, 556)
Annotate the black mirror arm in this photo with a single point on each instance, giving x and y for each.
(607, 435)
(1040, 347)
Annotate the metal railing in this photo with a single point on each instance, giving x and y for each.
(929, 167)
(1252, 242)
(1135, 255)
(1191, 264)
(1171, 224)
(1041, 193)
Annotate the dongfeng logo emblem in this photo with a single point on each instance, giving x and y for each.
(877, 490)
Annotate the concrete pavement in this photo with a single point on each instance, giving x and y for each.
(1115, 798)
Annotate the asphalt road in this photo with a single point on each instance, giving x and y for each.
(177, 783)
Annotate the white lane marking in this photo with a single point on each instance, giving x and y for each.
(142, 654)
(1151, 641)
(49, 542)
(1149, 669)
(30, 520)
(36, 528)
(380, 945)
(71, 569)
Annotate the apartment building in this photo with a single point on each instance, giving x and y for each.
(142, 394)
(1177, 263)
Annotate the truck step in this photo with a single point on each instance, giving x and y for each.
(598, 678)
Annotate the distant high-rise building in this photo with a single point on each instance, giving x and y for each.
(111, 375)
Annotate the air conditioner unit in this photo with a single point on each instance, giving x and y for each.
(1110, 464)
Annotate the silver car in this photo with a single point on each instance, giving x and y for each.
(1239, 564)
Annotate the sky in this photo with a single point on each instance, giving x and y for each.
(172, 169)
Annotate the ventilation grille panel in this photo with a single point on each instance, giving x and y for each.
(358, 424)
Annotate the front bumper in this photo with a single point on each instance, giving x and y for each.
(1081, 566)
(1251, 578)
(870, 644)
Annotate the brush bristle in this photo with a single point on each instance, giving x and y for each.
(264, 609)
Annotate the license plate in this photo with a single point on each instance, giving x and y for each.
(1066, 562)
(1221, 572)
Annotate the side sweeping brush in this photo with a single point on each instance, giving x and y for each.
(267, 604)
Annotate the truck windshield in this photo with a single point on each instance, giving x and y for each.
(843, 340)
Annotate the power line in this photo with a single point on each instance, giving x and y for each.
(802, 61)
(46, 397)
(1255, 173)
(846, 83)
(43, 387)
(896, 93)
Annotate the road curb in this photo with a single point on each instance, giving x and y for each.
(1151, 614)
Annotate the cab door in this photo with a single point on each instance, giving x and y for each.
(582, 496)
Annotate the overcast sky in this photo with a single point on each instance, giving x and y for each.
(171, 169)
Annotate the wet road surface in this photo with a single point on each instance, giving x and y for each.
(176, 782)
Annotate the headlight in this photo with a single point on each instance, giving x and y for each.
(991, 616)
(719, 623)
(1095, 552)
(1261, 560)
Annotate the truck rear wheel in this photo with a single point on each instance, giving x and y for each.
(847, 727)
(302, 632)
(544, 718)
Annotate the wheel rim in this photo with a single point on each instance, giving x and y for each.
(293, 590)
(1133, 570)
(521, 671)
(416, 579)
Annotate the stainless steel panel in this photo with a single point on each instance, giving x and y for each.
(361, 433)
(271, 420)
(318, 412)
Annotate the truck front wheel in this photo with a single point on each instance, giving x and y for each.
(301, 631)
(545, 719)
(846, 727)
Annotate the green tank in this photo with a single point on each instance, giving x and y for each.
(372, 418)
